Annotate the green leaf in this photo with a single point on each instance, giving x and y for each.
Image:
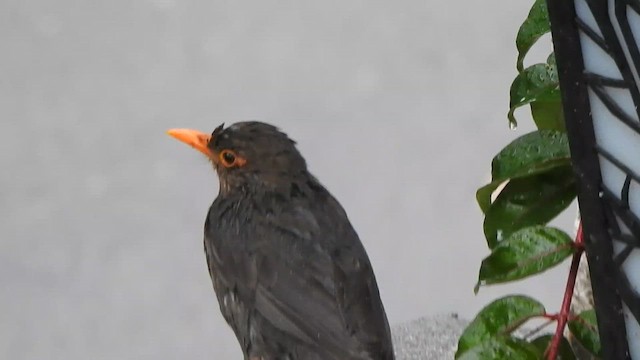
(565, 352)
(530, 154)
(585, 328)
(536, 25)
(528, 201)
(526, 154)
(502, 348)
(483, 194)
(538, 82)
(551, 59)
(548, 115)
(499, 318)
(526, 252)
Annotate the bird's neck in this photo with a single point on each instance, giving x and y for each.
(301, 184)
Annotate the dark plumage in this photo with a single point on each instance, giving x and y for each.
(289, 271)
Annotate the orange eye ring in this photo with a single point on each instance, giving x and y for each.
(228, 158)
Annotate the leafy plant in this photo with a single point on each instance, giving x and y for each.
(532, 182)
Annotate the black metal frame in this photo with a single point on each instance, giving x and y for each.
(600, 208)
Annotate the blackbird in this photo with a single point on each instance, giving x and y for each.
(291, 276)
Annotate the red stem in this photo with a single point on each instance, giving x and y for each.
(568, 294)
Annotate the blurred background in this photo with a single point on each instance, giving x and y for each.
(397, 106)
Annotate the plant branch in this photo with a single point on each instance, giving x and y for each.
(539, 328)
(563, 316)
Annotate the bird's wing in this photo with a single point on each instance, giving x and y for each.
(315, 282)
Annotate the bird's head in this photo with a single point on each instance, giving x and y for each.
(249, 153)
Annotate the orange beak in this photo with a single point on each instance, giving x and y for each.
(196, 139)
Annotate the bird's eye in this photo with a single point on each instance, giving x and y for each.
(228, 158)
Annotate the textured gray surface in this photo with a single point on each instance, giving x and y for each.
(433, 338)
(397, 106)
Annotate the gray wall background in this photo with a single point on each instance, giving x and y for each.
(398, 107)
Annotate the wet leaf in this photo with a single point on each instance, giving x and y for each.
(499, 318)
(538, 82)
(528, 201)
(564, 351)
(585, 328)
(502, 348)
(536, 25)
(548, 115)
(530, 154)
(526, 252)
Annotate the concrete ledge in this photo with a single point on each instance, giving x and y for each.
(428, 338)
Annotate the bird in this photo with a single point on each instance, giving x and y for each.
(291, 276)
